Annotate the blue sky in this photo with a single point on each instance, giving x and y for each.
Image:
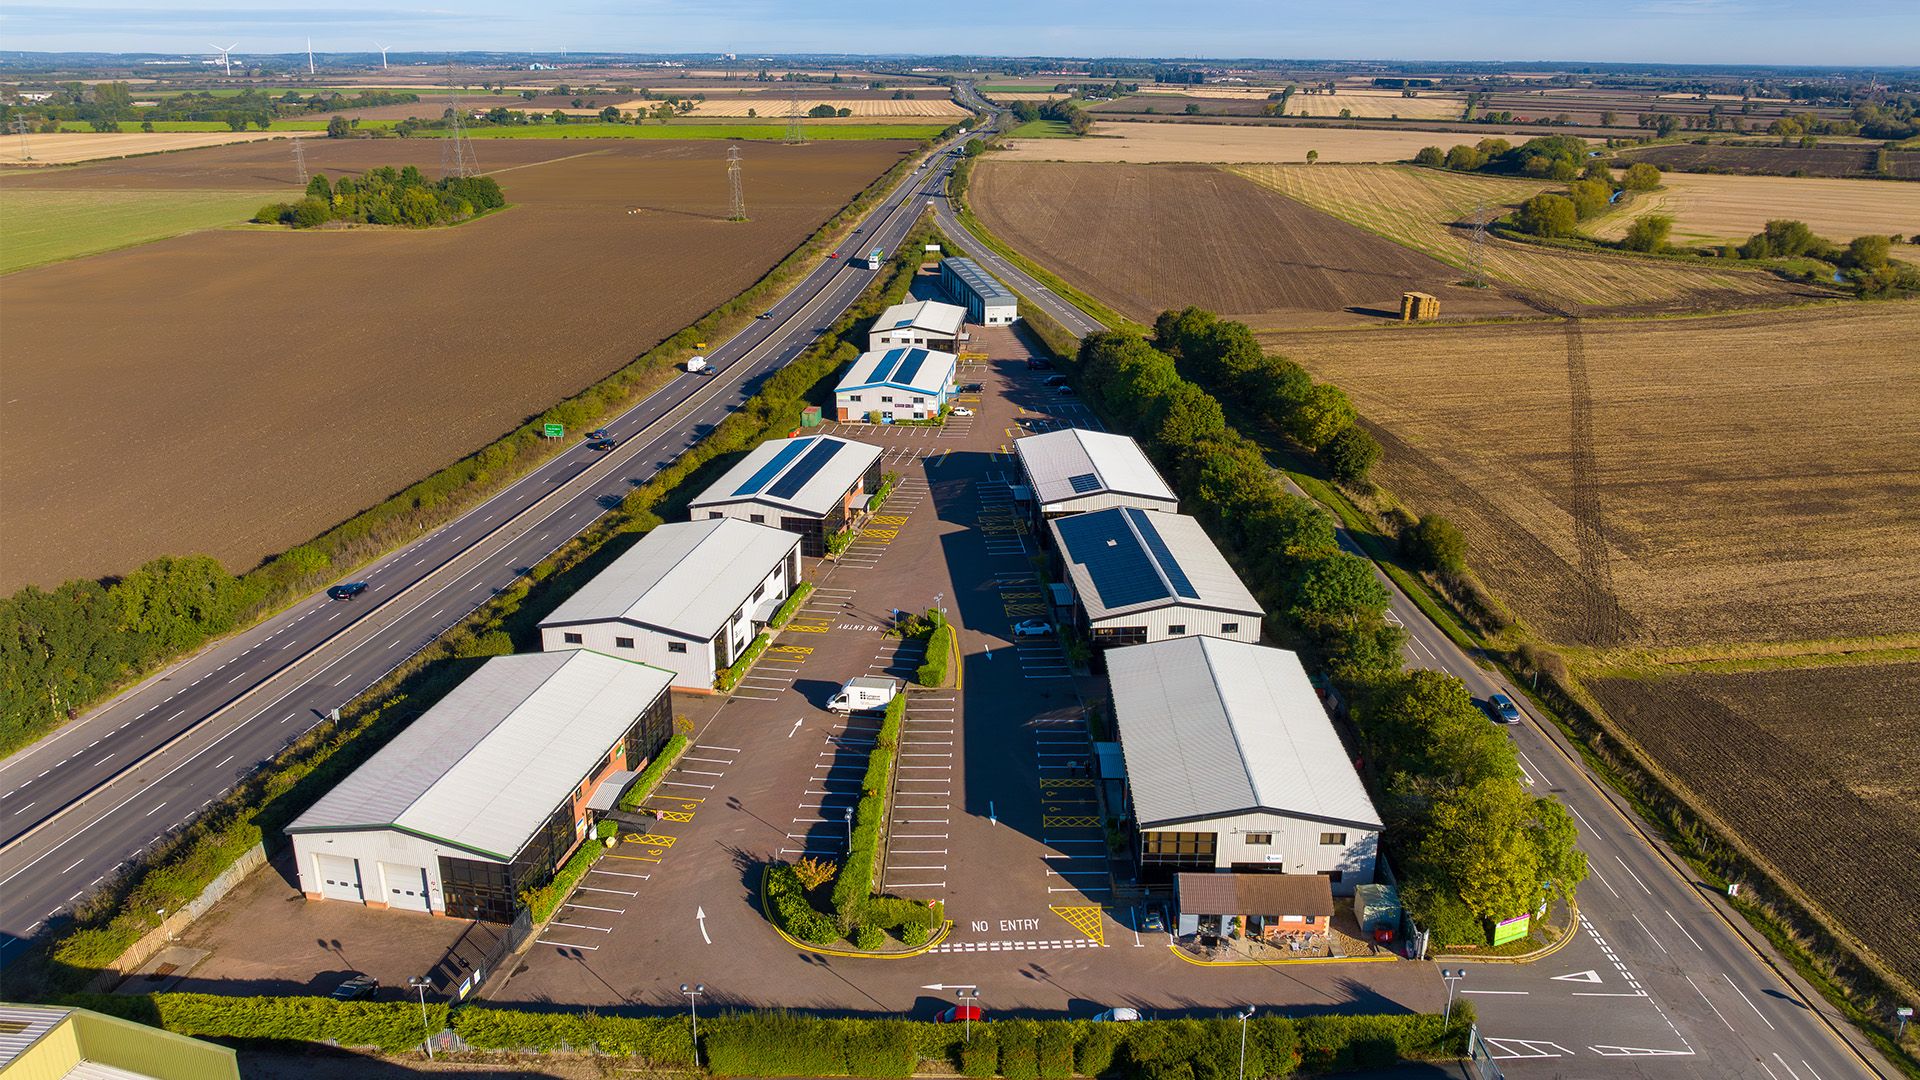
(1848, 33)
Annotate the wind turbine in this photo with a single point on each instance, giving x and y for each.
(383, 55)
(309, 56)
(226, 56)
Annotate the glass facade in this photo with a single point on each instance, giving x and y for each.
(1163, 854)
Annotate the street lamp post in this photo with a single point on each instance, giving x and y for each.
(693, 1009)
(1453, 978)
(420, 983)
(847, 816)
(967, 997)
(1245, 1015)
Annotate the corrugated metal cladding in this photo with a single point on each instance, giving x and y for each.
(688, 577)
(1125, 560)
(1212, 728)
(832, 476)
(483, 769)
(1071, 462)
(984, 285)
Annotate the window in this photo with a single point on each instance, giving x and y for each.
(1331, 875)
(1167, 851)
(918, 400)
(715, 514)
(1177, 629)
(757, 519)
(886, 400)
(676, 646)
(853, 397)
(1333, 839)
(1229, 627)
(573, 639)
(1256, 839)
(623, 643)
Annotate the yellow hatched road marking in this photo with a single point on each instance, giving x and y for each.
(807, 629)
(801, 649)
(649, 839)
(674, 815)
(879, 534)
(687, 802)
(1071, 781)
(1087, 920)
(1070, 821)
(888, 519)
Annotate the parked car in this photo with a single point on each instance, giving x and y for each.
(1153, 922)
(1054, 380)
(1063, 388)
(958, 1013)
(358, 986)
(602, 445)
(962, 410)
(347, 590)
(1117, 1015)
(1032, 628)
(973, 388)
(1503, 710)
(1038, 364)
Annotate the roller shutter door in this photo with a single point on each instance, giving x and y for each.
(339, 877)
(406, 886)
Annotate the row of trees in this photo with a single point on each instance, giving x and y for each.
(1472, 846)
(388, 196)
(1077, 119)
(110, 106)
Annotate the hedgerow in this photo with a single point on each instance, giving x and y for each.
(649, 777)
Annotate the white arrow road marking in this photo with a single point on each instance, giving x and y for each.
(700, 916)
(1588, 976)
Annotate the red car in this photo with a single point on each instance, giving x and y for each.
(959, 1013)
(833, 254)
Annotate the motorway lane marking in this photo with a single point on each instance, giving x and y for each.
(25, 808)
(156, 806)
(69, 869)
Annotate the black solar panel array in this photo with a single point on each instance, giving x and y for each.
(805, 469)
(1084, 482)
(1122, 571)
(1161, 553)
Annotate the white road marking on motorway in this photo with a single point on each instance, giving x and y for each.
(1749, 1001)
(1683, 930)
(25, 808)
(156, 806)
(1636, 877)
(236, 678)
(69, 869)
(1603, 880)
(1643, 926)
(1784, 1065)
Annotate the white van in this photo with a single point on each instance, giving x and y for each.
(696, 364)
(864, 692)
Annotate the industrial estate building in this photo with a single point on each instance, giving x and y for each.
(46, 1042)
(689, 597)
(1143, 576)
(812, 486)
(927, 323)
(988, 302)
(897, 384)
(1074, 471)
(1232, 764)
(484, 795)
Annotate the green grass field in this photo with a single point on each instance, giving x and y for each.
(815, 133)
(38, 227)
(132, 127)
(1042, 129)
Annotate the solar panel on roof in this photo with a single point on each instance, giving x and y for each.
(772, 468)
(1084, 482)
(809, 466)
(1161, 553)
(1122, 571)
(910, 366)
(888, 361)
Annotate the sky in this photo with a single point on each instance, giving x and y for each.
(1854, 33)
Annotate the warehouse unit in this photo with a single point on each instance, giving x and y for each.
(689, 597)
(897, 384)
(927, 323)
(484, 795)
(988, 302)
(812, 486)
(1232, 764)
(1073, 471)
(1140, 575)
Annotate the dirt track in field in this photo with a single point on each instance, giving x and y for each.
(1146, 238)
(237, 392)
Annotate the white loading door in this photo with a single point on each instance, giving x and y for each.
(406, 886)
(339, 877)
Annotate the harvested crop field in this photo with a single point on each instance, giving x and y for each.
(927, 104)
(1431, 210)
(68, 148)
(1813, 770)
(1743, 478)
(238, 391)
(1721, 209)
(1145, 238)
(1840, 161)
(1146, 143)
(1359, 104)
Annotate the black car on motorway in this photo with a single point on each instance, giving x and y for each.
(346, 590)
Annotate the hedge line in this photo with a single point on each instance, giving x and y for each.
(732, 675)
(939, 654)
(791, 605)
(649, 777)
(541, 900)
(63, 651)
(175, 870)
(855, 883)
(781, 1043)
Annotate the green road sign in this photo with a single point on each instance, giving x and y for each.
(554, 431)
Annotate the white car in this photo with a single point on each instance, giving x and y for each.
(1119, 1015)
(962, 410)
(1032, 628)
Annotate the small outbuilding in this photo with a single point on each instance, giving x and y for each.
(899, 383)
(926, 323)
(1266, 906)
(1075, 471)
(485, 794)
(812, 486)
(988, 302)
(1140, 576)
(689, 597)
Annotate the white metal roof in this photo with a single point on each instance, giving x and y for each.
(930, 315)
(902, 367)
(688, 577)
(23, 1025)
(975, 277)
(487, 766)
(777, 473)
(1125, 560)
(1073, 463)
(1214, 728)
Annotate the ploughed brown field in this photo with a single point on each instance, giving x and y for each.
(1661, 483)
(238, 391)
(1146, 238)
(1813, 769)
